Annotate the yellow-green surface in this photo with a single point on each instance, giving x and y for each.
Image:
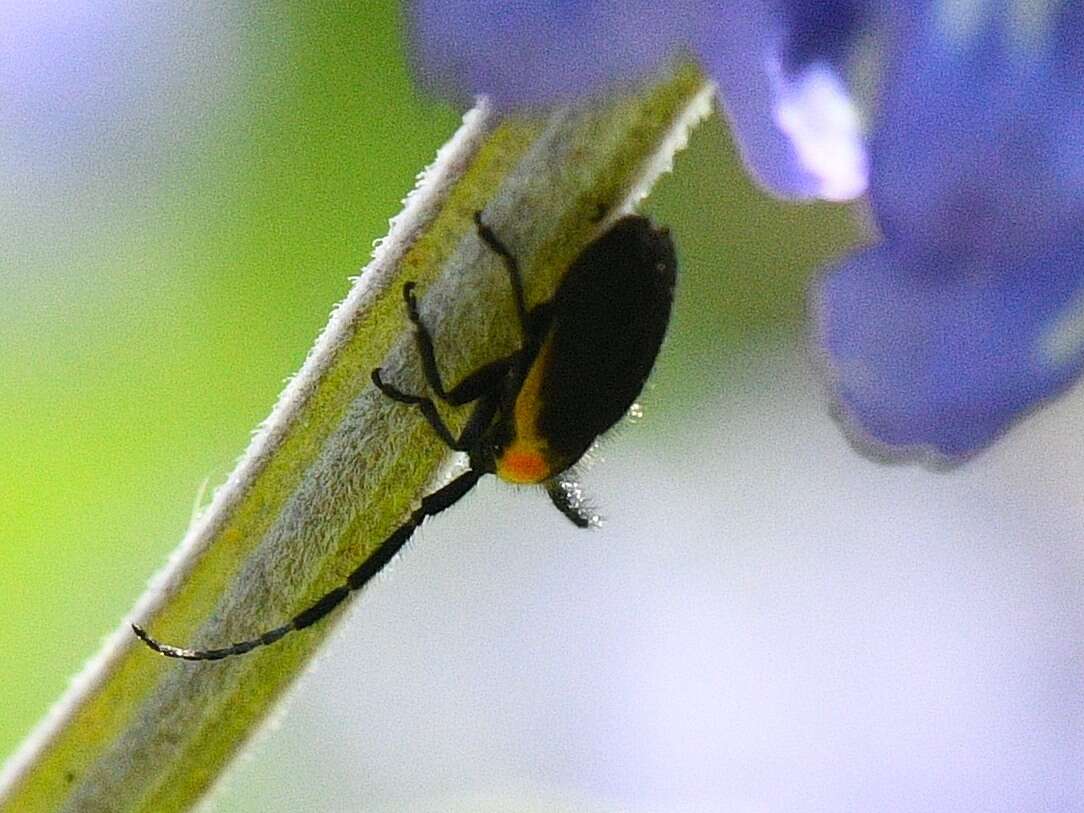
(143, 346)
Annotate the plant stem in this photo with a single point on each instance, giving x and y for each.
(336, 466)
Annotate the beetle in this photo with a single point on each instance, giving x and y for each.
(584, 359)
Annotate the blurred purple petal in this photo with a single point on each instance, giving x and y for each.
(972, 313)
(527, 53)
(776, 65)
(798, 133)
(824, 30)
(935, 353)
(980, 144)
(796, 124)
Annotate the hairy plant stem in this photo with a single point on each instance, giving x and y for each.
(335, 467)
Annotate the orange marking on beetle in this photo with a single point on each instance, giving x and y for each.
(523, 463)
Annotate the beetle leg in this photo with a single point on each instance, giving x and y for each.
(566, 496)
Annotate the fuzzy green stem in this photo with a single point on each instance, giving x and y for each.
(336, 466)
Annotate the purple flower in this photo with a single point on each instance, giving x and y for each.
(776, 68)
(970, 311)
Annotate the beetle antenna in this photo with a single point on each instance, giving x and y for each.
(431, 504)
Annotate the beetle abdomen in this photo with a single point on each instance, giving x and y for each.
(610, 315)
